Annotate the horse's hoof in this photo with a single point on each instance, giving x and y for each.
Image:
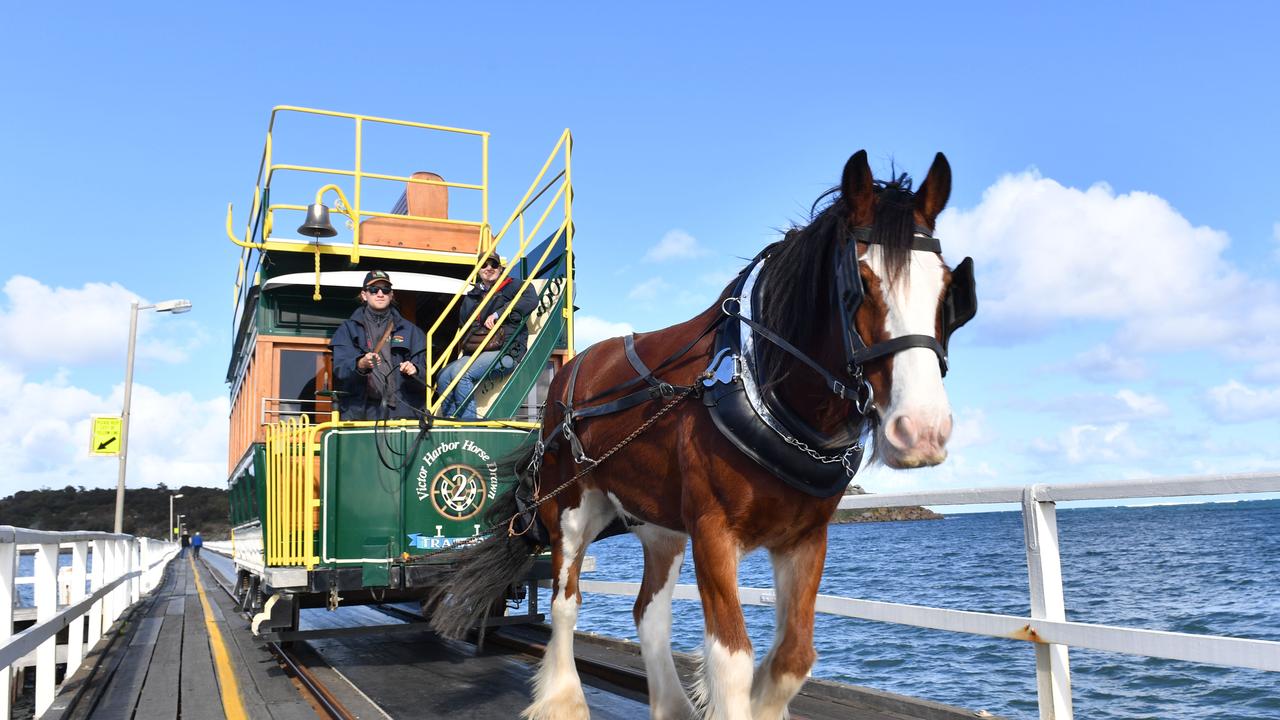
(563, 708)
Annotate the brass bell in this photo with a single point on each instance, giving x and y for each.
(317, 224)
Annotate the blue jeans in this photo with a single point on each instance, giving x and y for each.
(468, 381)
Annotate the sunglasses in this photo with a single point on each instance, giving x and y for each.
(378, 290)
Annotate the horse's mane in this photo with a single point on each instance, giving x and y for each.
(796, 284)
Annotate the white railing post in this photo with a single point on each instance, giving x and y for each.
(97, 578)
(8, 567)
(135, 564)
(1044, 574)
(75, 629)
(144, 564)
(46, 592)
(108, 573)
(117, 555)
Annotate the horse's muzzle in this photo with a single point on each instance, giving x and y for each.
(910, 441)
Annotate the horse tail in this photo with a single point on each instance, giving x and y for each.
(479, 575)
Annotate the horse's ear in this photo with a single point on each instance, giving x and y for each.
(935, 190)
(858, 189)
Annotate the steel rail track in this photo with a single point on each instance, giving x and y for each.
(623, 677)
(616, 675)
(318, 691)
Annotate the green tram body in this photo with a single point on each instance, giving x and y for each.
(386, 501)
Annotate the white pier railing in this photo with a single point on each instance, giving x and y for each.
(1047, 627)
(123, 569)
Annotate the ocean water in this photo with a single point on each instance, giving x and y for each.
(1206, 569)
(27, 569)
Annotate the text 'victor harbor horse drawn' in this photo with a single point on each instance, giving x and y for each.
(743, 435)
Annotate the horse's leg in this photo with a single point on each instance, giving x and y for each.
(725, 686)
(557, 690)
(663, 555)
(796, 574)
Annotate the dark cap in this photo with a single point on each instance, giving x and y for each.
(377, 276)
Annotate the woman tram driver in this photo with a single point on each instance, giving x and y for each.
(493, 355)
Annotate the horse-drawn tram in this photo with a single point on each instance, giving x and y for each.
(346, 474)
(399, 430)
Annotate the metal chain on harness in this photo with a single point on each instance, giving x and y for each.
(536, 462)
(593, 463)
(843, 458)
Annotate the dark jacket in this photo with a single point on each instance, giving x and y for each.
(349, 343)
(516, 322)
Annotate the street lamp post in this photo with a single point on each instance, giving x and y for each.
(172, 531)
(173, 306)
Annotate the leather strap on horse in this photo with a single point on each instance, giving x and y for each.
(657, 389)
(593, 463)
(836, 386)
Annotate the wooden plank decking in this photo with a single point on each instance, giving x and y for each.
(159, 663)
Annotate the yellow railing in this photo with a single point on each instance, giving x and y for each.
(562, 198)
(291, 495)
(353, 209)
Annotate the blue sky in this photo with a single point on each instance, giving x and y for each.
(1114, 180)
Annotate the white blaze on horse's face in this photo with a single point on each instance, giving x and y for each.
(916, 420)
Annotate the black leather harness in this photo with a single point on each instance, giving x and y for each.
(753, 418)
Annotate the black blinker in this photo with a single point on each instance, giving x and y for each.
(961, 302)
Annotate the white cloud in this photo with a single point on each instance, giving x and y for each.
(1087, 443)
(1101, 364)
(1237, 402)
(649, 289)
(958, 470)
(44, 436)
(1047, 253)
(1121, 406)
(56, 326)
(969, 429)
(675, 245)
(589, 330)
(1142, 406)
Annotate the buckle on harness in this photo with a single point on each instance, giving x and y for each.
(839, 389)
(724, 306)
(665, 390)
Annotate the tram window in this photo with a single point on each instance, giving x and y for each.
(301, 374)
(302, 315)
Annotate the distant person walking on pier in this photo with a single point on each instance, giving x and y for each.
(492, 356)
(186, 543)
(374, 352)
(197, 542)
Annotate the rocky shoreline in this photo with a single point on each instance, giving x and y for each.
(888, 514)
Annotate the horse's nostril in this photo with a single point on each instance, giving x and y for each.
(902, 432)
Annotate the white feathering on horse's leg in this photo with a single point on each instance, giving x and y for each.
(771, 696)
(667, 700)
(557, 690)
(771, 689)
(724, 684)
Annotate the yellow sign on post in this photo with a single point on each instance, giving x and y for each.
(104, 435)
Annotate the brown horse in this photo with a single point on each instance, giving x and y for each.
(681, 479)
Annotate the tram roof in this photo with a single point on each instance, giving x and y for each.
(400, 280)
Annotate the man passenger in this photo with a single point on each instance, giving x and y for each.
(502, 362)
(378, 357)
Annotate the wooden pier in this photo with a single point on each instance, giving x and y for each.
(184, 651)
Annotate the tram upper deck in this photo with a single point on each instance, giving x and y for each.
(308, 487)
